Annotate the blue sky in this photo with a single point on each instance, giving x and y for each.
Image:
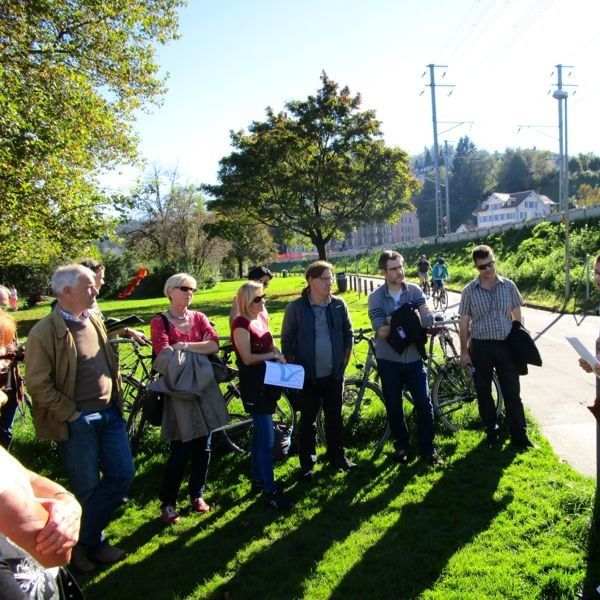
(237, 57)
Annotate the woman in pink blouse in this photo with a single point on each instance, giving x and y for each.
(187, 330)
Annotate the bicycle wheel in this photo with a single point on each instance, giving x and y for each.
(364, 417)
(435, 297)
(455, 399)
(443, 299)
(238, 434)
(136, 422)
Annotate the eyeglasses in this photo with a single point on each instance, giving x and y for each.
(399, 268)
(488, 265)
(258, 299)
(185, 288)
(325, 279)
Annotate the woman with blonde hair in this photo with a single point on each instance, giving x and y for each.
(253, 344)
(181, 340)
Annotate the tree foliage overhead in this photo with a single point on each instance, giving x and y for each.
(71, 76)
(319, 169)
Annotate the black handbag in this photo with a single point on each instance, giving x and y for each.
(221, 371)
(152, 406)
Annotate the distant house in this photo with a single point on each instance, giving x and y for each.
(465, 228)
(509, 208)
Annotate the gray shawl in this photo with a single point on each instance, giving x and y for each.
(194, 405)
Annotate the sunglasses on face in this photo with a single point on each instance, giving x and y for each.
(258, 299)
(488, 265)
(186, 288)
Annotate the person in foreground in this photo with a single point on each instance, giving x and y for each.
(488, 306)
(405, 369)
(181, 340)
(317, 334)
(73, 379)
(253, 344)
(39, 520)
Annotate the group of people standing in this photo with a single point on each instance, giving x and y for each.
(73, 379)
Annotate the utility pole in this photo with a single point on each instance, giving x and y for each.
(446, 162)
(563, 173)
(436, 154)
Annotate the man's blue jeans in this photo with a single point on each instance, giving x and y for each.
(98, 444)
(395, 377)
(263, 438)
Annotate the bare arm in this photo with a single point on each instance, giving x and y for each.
(46, 526)
(464, 332)
(515, 313)
(241, 337)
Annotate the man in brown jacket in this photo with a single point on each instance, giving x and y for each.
(73, 379)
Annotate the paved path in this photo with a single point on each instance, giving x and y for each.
(557, 393)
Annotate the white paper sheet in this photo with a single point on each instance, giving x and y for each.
(582, 350)
(289, 376)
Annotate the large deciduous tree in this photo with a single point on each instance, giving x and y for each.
(72, 75)
(319, 169)
(250, 241)
(470, 180)
(171, 223)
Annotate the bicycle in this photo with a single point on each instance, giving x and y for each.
(135, 365)
(453, 392)
(12, 383)
(237, 434)
(439, 295)
(424, 284)
(137, 374)
(364, 417)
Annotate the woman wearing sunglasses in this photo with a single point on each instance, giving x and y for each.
(253, 344)
(183, 421)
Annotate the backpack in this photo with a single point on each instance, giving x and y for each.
(406, 329)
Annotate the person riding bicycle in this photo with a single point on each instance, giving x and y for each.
(439, 274)
(423, 269)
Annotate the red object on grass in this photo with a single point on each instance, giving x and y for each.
(133, 283)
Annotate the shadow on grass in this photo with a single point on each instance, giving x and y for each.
(592, 576)
(410, 555)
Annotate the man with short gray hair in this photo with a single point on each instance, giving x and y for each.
(73, 379)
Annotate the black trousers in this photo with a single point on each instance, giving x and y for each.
(179, 456)
(326, 392)
(489, 356)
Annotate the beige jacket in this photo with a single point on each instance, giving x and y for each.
(51, 371)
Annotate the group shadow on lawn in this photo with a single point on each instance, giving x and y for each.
(407, 559)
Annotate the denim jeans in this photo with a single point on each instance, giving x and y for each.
(395, 377)
(98, 444)
(175, 468)
(261, 459)
(487, 356)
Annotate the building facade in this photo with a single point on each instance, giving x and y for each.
(502, 208)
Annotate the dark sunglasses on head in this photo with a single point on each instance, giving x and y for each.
(257, 299)
(487, 265)
(186, 288)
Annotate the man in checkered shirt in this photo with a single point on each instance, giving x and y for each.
(488, 306)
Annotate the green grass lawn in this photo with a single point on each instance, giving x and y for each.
(491, 523)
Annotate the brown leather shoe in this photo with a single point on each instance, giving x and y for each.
(108, 555)
(80, 561)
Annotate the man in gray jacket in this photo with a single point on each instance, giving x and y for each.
(317, 334)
